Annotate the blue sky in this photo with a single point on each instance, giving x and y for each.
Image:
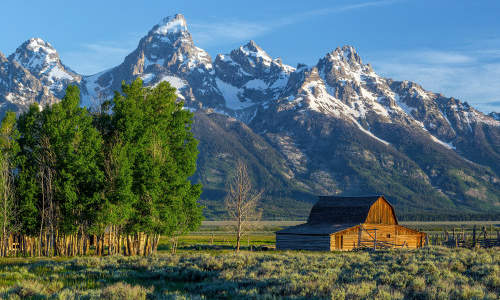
(452, 47)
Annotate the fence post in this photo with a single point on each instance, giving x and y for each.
(474, 236)
(360, 230)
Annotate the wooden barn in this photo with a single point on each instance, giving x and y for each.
(346, 223)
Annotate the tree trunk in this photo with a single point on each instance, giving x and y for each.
(238, 235)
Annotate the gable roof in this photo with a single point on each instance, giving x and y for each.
(315, 229)
(341, 210)
(333, 214)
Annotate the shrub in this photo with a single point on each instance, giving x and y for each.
(121, 290)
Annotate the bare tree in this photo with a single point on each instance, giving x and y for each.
(241, 201)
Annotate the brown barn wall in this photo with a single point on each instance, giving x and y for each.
(381, 213)
(394, 234)
(373, 212)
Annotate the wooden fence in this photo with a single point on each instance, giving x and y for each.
(466, 239)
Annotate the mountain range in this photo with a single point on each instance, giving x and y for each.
(336, 127)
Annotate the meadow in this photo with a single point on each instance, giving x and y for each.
(427, 273)
(206, 267)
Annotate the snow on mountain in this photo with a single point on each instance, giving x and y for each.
(42, 60)
(19, 88)
(166, 53)
(248, 76)
(171, 25)
(331, 123)
(247, 81)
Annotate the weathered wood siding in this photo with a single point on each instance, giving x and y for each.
(331, 226)
(414, 239)
(302, 242)
(394, 234)
(381, 212)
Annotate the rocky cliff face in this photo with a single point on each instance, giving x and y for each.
(166, 53)
(19, 88)
(335, 127)
(43, 62)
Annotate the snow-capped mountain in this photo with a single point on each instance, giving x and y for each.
(248, 77)
(166, 53)
(333, 127)
(42, 61)
(19, 88)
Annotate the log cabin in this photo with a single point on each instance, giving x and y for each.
(347, 223)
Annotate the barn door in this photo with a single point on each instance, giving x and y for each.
(339, 242)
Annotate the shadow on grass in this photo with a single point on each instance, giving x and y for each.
(87, 278)
(166, 248)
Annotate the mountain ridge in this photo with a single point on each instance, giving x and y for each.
(336, 127)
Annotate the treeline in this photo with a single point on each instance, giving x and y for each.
(112, 180)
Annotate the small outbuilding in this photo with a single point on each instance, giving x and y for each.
(347, 223)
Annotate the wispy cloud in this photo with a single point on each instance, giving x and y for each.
(227, 31)
(468, 74)
(336, 9)
(210, 33)
(90, 58)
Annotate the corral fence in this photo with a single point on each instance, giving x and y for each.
(477, 238)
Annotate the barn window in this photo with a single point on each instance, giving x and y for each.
(388, 235)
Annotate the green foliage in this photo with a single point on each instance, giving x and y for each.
(127, 167)
(152, 154)
(8, 152)
(63, 140)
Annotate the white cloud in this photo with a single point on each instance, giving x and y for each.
(343, 8)
(227, 31)
(91, 58)
(210, 33)
(469, 75)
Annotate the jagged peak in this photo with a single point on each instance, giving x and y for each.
(35, 54)
(37, 45)
(346, 53)
(252, 46)
(252, 49)
(171, 24)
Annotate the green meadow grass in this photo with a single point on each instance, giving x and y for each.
(428, 273)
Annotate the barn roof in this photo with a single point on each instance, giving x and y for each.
(333, 214)
(315, 229)
(340, 210)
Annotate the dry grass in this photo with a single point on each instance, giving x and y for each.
(430, 273)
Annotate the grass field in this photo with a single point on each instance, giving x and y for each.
(206, 267)
(429, 273)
